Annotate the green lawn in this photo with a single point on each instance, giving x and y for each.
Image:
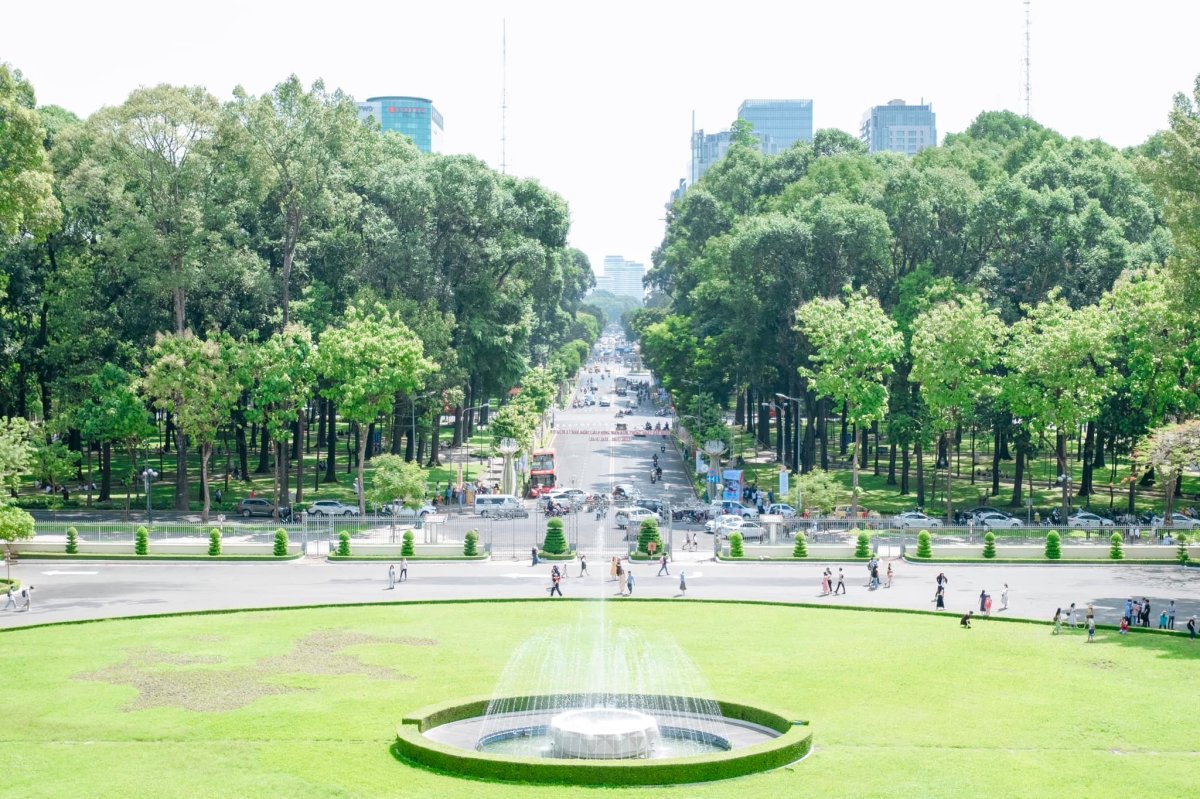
(305, 703)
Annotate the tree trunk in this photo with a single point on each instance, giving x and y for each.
(456, 439)
(739, 409)
(330, 442)
(435, 439)
(1018, 474)
(105, 472)
(891, 475)
(823, 414)
(397, 434)
(300, 456)
(1098, 461)
(904, 468)
(844, 437)
(362, 454)
(371, 441)
(920, 475)
(972, 455)
(875, 435)
(779, 420)
(243, 452)
(1089, 444)
(181, 471)
(997, 435)
(291, 234)
(858, 442)
(264, 455)
(810, 433)
(1060, 447)
(205, 454)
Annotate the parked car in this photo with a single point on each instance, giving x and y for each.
(656, 505)
(633, 517)
(719, 523)
(605, 402)
(749, 530)
(1178, 521)
(782, 509)
(1082, 518)
(499, 506)
(735, 507)
(331, 507)
(997, 520)
(914, 518)
(259, 506)
(403, 513)
(975, 513)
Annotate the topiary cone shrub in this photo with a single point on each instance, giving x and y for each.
(73, 541)
(470, 542)
(343, 549)
(800, 550)
(555, 542)
(649, 532)
(1181, 554)
(141, 541)
(1053, 545)
(1115, 551)
(281, 543)
(863, 548)
(735, 545)
(214, 542)
(407, 549)
(924, 544)
(989, 544)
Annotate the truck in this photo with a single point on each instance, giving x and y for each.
(621, 384)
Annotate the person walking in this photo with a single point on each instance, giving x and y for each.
(629, 581)
(27, 596)
(1057, 622)
(1004, 598)
(1191, 628)
(582, 564)
(620, 579)
(533, 558)
(889, 576)
(662, 566)
(683, 592)
(1091, 628)
(613, 566)
(841, 583)
(403, 569)
(982, 601)
(391, 576)
(1145, 611)
(939, 598)
(11, 599)
(1071, 616)
(555, 582)
(1171, 615)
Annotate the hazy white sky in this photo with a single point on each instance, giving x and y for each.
(601, 95)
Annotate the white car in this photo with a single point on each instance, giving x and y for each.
(997, 520)
(782, 509)
(749, 530)
(633, 517)
(721, 522)
(400, 512)
(331, 507)
(914, 518)
(1178, 521)
(1082, 518)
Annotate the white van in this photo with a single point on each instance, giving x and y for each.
(499, 506)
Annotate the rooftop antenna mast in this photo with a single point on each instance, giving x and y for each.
(1028, 82)
(504, 98)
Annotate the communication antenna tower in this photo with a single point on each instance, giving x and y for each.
(1028, 81)
(504, 98)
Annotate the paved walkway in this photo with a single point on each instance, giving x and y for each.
(75, 590)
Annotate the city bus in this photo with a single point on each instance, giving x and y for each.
(542, 478)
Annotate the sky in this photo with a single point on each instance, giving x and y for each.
(601, 96)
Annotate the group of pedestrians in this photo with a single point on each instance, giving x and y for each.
(393, 578)
(873, 579)
(827, 584)
(25, 595)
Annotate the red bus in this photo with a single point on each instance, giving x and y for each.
(541, 472)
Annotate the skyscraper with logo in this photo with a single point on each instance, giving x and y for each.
(899, 128)
(415, 117)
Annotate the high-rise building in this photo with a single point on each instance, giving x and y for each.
(778, 124)
(415, 117)
(621, 277)
(899, 127)
(707, 149)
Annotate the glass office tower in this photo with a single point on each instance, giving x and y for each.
(415, 117)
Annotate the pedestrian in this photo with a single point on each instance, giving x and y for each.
(391, 576)
(629, 581)
(582, 565)
(683, 592)
(1128, 609)
(1171, 615)
(1124, 628)
(841, 583)
(403, 569)
(533, 558)
(612, 569)
(982, 601)
(11, 599)
(555, 582)
(1004, 598)
(826, 582)
(889, 576)
(1145, 611)
(987, 605)
(1135, 615)
(1057, 622)
(27, 596)
(1091, 627)
(1191, 628)
(1090, 613)
(875, 577)
(965, 621)
(1162, 619)
(620, 579)
(662, 566)
(939, 598)
(217, 496)
(942, 580)
(1071, 616)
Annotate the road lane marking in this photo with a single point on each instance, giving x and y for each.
(58, 573)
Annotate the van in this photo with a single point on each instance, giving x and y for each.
(499, 506)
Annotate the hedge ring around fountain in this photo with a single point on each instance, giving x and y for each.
(600, 740)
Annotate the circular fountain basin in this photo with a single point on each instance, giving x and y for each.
(603, 733)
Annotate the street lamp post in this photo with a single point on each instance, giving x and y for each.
(795, 442)
(149, 475)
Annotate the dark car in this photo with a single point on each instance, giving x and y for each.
(656, 505)
(258, 506)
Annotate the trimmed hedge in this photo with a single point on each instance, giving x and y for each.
(1053, 546)
(800, 550)
(735, 545)
(72, 541)
(862, 549)
(924, 545)
(1115, 552)
(1045, 562)
(989, 545)
(141, 544)
(214, 543)
(470, 543)
(343, 547)
(794, 742)
(281, 543)
(407, 549)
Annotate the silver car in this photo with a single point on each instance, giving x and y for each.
(1082, 518)
(331, 507)
(914, 518)
(1178, 521)
(997, 520)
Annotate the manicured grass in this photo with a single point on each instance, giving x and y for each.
(307, 702)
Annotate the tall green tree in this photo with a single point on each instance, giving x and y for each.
(855, 347)
(16, 452)
(366, 360)
(396, 480)
(27, 201)
(114, 413)
(284, 374)
(1169, 450)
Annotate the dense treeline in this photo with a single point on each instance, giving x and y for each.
(1041, 287)
(262, 265)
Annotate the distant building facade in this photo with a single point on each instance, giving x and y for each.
(778, 124)
(415, 117)
(621, 277)
(707, 149)
(899, 128)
